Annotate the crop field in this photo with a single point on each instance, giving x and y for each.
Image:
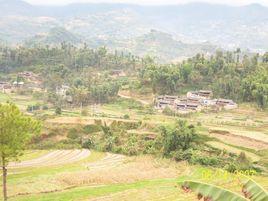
(63, 175)
(101, 176)
(21, 100)
(244, 123)
(234, 150)
(58, 157)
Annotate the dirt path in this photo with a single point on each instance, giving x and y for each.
(57, 157)
(137, 99)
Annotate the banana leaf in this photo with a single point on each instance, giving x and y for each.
(254, 191)
(215, 193)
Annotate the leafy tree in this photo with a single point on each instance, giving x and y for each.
(178, 137)
(163, 79)
(255, 88)
(80, 95)
(16, 131)
(103, 92)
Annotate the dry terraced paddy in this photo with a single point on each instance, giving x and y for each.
(57, 157)
(97, 171)
(108, 177)
(254, 135)
(87, 120)
(238, 140)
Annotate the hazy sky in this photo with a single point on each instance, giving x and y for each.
(149, 2)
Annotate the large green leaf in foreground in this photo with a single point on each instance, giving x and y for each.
(255, 191)
(213, 192)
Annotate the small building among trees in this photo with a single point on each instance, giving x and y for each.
(226, 103)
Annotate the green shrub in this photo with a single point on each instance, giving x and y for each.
(180, 136)
(149, 147)
(126, 116)
(118, 149)
(168, 111)
(199, 158)
(131, 147)
(73, 134)
(180, 155)
(88, 129)
(58, 111)
(231, 167)
(88, 144)
(45, 107)
(31, 108)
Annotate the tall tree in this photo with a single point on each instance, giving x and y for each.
(16, 130)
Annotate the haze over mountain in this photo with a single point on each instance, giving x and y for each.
(118, 25)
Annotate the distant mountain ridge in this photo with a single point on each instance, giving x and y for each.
(162, 46)
(115, 24)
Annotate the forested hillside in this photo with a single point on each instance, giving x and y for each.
(228, 74)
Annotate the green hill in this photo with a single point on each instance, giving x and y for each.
(55, 36)
(162, 46)
(165, 47)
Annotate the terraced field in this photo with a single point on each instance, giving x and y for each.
(239, 140)
(80, 175)
(57, 157)
(234, 150)
(86, 120)
(109, 161)
(49, 175)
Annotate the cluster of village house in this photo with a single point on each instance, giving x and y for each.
(33, 82)
(194, 101)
